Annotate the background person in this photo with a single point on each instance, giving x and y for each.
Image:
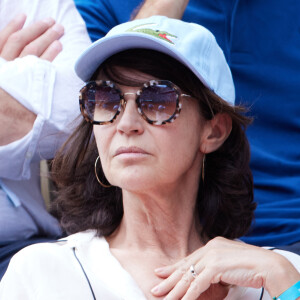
(174, 150)
(266, 76)
(37, 92)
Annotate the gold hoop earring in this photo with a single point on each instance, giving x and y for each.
(104, 185)
(203, 166)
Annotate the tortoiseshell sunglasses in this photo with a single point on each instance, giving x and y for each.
(158, 101)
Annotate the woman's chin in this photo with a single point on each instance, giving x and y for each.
(135, 185)
(134, 182)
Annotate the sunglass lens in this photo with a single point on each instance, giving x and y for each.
(158, 102)
(102, 102)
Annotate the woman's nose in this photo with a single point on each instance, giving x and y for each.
(130, 121)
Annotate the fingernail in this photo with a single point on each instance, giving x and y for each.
(57, 45)
(58, 28)
(20, 18)
(49, 21)
(155, 290)
(158, 270)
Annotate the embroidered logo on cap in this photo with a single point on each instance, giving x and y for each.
(163, 35)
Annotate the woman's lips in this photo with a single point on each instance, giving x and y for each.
(130, 151)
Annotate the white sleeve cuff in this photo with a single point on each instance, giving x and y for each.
(15, 158)
(2, 61)
(29, 79)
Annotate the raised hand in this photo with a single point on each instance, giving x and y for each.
(40, 39)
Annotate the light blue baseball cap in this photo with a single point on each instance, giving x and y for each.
(191, 44)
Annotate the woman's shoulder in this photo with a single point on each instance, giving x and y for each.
(37, 268)
(53, 251)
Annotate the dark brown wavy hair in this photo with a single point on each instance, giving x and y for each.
(225, 199)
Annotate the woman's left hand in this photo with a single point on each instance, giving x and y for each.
(224, 262)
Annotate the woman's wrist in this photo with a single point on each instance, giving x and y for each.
(292, 293)
(281, 277)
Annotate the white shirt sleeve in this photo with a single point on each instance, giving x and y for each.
(50, 90)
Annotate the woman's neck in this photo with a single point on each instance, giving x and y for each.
(162, 223)
(158, 229)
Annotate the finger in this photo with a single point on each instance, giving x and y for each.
(168, 284)
(17, 41)
(14, 25)
(181, 287)
(165, 272)
(185, 263)
(40, 44)
(201, 283)
(185, 282)
(52, 51)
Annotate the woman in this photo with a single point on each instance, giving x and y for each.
(157, 169)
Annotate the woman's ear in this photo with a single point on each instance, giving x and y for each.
(215, 132)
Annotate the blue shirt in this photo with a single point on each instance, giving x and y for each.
(261, 41)
(22, 210)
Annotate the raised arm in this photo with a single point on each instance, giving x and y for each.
(45, 87)
(39, 39)
(170, 8)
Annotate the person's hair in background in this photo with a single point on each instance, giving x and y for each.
(225, 197)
